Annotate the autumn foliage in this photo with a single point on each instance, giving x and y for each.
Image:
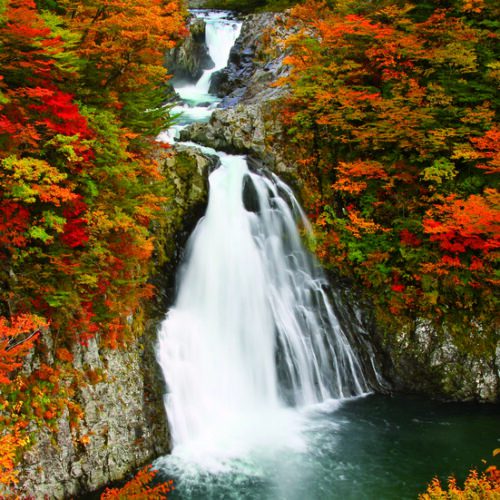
(392, 119)
(140, 488)
(82, 86)
(484, 485)
(480, 486)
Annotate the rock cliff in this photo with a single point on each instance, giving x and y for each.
(425, 361)
(255, 62)
(188, 60)
(123, 425)
(120, 391)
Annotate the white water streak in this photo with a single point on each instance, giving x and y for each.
(221, 33)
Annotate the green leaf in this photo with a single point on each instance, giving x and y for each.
(39, 233)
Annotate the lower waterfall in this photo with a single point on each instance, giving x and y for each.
(251, 339)
(251, 334)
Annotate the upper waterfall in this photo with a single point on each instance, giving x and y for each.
(221, 33)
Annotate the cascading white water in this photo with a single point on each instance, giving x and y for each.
(315, 358)
(220, 33)
(252, 334)
(252, 329)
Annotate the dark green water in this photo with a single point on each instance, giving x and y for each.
(374, 447)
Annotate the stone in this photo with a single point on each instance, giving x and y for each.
(188, 60)
(238, 130)
(425, 361)
(252, 66)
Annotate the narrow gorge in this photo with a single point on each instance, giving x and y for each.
(256, 374)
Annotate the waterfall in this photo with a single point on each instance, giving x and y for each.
(252, 337)
(260, 371)
(220, 35)
(252, 331)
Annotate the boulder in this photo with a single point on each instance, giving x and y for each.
(238, 130)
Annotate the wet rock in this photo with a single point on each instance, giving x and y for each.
(242, 129)
(188, 60)
(234, 130)
(357, 323)
(425, 361)
(103, 446)
(255, 61)
(250, 196)
(186, 172)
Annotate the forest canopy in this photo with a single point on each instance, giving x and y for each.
(392, 118)
(82, 86)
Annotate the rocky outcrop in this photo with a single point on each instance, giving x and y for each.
(255, 62)
(123, 425)
(416, 358)
(120, 391)
(357, 323)
(188, 60)
(425, 361)
(238, 130)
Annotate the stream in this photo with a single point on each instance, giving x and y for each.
(266, 397)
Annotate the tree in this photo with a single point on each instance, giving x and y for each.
(81, 94)
(392, 114)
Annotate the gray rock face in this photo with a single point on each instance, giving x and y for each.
(124, 425)
(186, 172)
(421, 360)
(235, 130)
(188, 60)
(252, 65)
